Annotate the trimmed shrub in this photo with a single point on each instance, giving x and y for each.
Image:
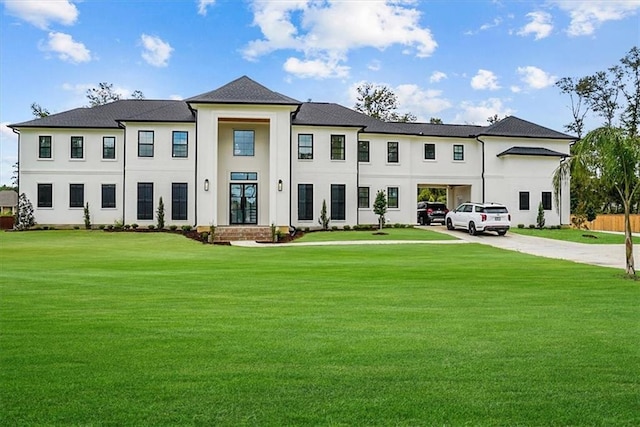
(520, 225)
(151, 227)
(173, 227)
(186, 228)
(347, 227)
(134, 225)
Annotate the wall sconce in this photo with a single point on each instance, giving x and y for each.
(206, 185)
(279, 185)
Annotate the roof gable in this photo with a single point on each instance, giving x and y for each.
(243, 91)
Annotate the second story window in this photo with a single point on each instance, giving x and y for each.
(180, 144)
(337, 147)
(305, 146)
(458, 152)
(363, 151)
(429, 151)
(244, 143)
(109, 147)
(392, 152)
(44, 147)
(145, 143)
(77, 147)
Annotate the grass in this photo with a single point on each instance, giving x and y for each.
(574, 235)
(389, 234)
(154, 329)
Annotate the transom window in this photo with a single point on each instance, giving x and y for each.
(305, 146)
(337, 147)
(108, 147)
(429, 151)
(243, 143)
(44, 147)
(458, 152)
(392, 197)
(145, 144)
(244, 176)
(180, 144)
(363, 151)
(392, 152)
(77, 147)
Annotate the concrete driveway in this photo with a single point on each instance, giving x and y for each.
(601, 255)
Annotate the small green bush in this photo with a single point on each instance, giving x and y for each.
(347, 227)
(186, 228)
(204, 236)
(76, 227)
(110, 227)
(307, 229)
(173, 227)
(151, 227)
(520, 225)
(134, 225)
(101, 226)
(334, 227)
(127, 226)
(532, 226)
(397, 225)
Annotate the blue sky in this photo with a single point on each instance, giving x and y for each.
(461, 61)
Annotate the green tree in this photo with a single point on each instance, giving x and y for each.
(380, 103)
(435, 120)
(324, 219)
(160, 214)
(611, 155)
(25, 218)
(38, 111)
(87, 217)
(105, 93)
(380, 207)
(540, 219)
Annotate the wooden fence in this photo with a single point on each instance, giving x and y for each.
(614, 222)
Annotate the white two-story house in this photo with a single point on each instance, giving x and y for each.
(245, 156)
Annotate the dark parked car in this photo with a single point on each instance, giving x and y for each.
(429, 212)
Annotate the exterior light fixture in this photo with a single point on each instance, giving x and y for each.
(206, 185)
(279, 185)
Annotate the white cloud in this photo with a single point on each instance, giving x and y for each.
(66, 48)
(479, 113)
(536, 78)
(41, 13)
(437, 76)
(315, 68)
(485, 80)
(203, 5)
(332, 29)
(515, 89)
(80, 90)
(484, 27)
(156, 51)
(588, 15)
(175, 97)
(374, 65)
(421, 102)
(540, 25)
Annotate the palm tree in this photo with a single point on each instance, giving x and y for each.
(612, 156)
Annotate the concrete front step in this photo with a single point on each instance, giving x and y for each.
(240, 233)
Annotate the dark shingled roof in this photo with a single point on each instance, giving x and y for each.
(107, 116)
(513, 126)
(8, 198)
(532, 151)
(243, 91)
(430, 129)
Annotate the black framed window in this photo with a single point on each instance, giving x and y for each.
(429, 151)
(458, 152)
(145, 200)
(44, 147)
(392, 197)
(76, 195)
(179, 201)
(108, 147)
(305, 202)
(108, 196)
(524, 200)
(180, 143)
(338, 202)
(45, 195)
(77, 147)
(244, 143)
(363, 197)
(546, 200)
(305, 146)
(145, 143)
(392, 152)
(337, 147)
(363, 151)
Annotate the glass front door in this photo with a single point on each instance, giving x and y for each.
(243, 204)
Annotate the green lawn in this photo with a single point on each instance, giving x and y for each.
(154, 329)
(389, 234)
(573, 235)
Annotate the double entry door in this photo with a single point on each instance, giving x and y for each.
(244, 204)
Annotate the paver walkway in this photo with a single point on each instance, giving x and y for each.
(601, 255)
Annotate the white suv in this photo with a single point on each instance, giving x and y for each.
(479, 217)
